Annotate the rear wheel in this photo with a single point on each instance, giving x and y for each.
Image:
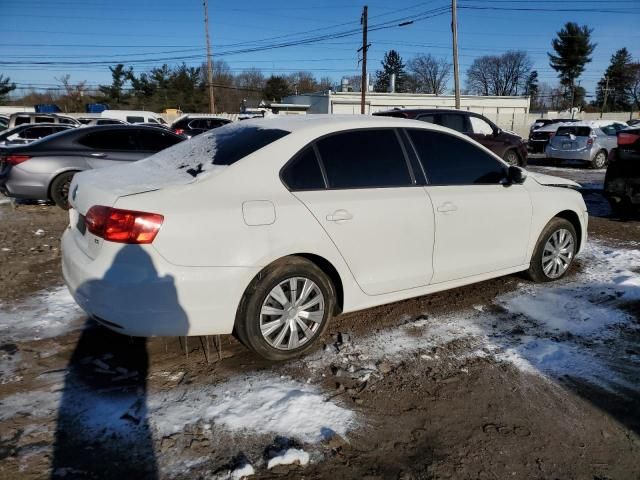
(600, 160)
(512, 158)
(60, 189)
(554, 252)
(285, 309)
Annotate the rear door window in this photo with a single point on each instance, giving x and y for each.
(154, 141)
(21, 120)
(134, 119)
(454, 121)
(448, 160)
(364, 159)
(303, 172)
(44, 120)
(36, 132)
(122, 140)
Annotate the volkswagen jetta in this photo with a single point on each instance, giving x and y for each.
(267, 228)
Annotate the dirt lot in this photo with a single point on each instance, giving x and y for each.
(502, 379)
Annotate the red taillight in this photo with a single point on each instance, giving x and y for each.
(627, 138)
(179, 131)
(123, 226)
(16, 159)
(589, 141)
(552, 134)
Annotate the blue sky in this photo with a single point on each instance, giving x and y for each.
(121, 30)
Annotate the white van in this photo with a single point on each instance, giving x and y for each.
(134, 116)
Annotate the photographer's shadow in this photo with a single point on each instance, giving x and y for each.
(102, 427)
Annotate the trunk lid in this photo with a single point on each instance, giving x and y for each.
(572, 138)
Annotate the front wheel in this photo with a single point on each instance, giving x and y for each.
(60, 190)
(285, 309)
(554, 252)
(512, 158)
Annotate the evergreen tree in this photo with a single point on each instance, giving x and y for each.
(572, 48)
(6, 86)
(531, 88)
(621, 78)
(276, 88)
(392, 63)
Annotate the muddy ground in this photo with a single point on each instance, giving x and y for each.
(451, 385)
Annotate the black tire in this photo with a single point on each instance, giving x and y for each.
(512, 158)
(247, 325)
(60, 189)
(599, 160)
(536, 271)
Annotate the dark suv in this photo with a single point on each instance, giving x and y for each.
(622, 180)
(508, 146)
(192, 125)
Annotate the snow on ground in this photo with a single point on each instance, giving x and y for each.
(45, 315)
(260, 403)
(288, 457)
(577, 327)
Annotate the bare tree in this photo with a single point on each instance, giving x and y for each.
(430, 74)
(500, 75)
(73, 101)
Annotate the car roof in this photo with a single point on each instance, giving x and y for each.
(594, 123)
(327, 123)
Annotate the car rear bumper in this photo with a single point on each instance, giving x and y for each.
(132, 290)
(584, 154)
(17, 183)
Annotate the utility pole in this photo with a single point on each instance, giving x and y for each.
(456, 72)
(363, 81)
(212, 105)
(606, 94)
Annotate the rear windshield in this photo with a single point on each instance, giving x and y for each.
(576, 131)
(223, 146)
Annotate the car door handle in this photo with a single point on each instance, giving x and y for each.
(339, 216)
(447, 207)
(99, 155)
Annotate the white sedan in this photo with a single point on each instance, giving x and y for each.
(267, 228)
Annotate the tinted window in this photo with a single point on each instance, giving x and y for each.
(365, 158)
(108, 122)
(448, 160)
(427, 118)
(84, 121)
(151, 120)
(135, 119)
(232, 144)
(66, 121)
(22, 120)
(577, 131)
(37, 132)
(153, 141)
(453, 121)
(110, 140)
(303, 172)
(44, 120)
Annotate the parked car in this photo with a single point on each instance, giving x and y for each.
(506, 145)
(134, 116)
(4, 122)
(539, 136)
(267, 228)
(588, 142)
(543, 122)
(622, 180)
(93, 121)
(634, 122)
(27, 133)
(27, 117)
(43, 169)
(192, 125)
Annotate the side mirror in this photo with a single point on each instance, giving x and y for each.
(516, 175)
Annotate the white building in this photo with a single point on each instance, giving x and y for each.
(510, 113)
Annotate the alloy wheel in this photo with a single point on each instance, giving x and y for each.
(600, 160)
(511, 158)
(292, 313)
(558, 253)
